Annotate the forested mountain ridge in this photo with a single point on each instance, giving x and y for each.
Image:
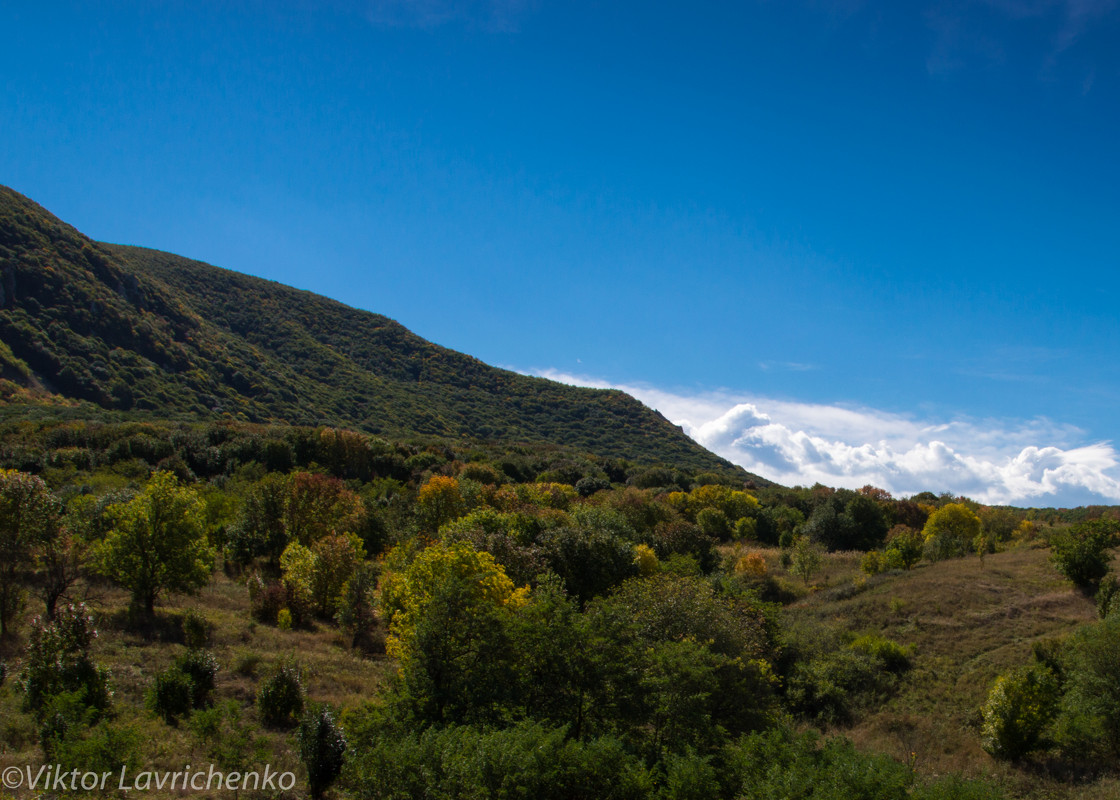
(140, 330)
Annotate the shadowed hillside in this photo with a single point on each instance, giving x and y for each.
(140, 330)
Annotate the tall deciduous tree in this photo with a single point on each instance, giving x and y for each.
(157, 544)
(950, 531)
(28, 517)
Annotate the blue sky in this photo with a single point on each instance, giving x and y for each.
(849, 242)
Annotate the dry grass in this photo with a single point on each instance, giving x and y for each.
(968, 622)
(246, 652)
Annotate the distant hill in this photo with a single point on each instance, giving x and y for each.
(139, 330)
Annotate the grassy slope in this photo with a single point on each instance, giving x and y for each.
(968, 623)
(136, 329)
(246, 653)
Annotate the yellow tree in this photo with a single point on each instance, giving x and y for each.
(950, 531)
(438, 502)
(448, 625)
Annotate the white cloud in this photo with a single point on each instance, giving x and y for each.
(1020, 462)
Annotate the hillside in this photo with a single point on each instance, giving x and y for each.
(138, 330)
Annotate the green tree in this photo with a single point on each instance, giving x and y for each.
(714, 523)
(869, 523)
(806, 558)
(1090, 720)
(356, 613)
(322, 748)
(448, 620)
(157, 544)
(28, 519)
(261, 530)
(904, 546)
(1082, 552)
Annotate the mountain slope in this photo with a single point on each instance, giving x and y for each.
(141, 330)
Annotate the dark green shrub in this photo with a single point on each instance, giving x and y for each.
(1081, 553)
(280, 700)
(322, 748)
(589, 562)
(170, 695)
(58, 661)
(1089, 726)
(196, 630)
(104, 748)
(186, 684)
(527, 761)
(200, 667)
(714, 523)
(1108, 596)
(829, 686)
(588, 486)
(781, 763)
(689, 776)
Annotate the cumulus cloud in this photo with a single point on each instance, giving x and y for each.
(1020, 462)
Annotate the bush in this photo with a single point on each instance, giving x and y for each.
(200, 667)
(781, 763)
(1081, 553)
(872, 562)
(58, 662)
(904, 548)
(689, 776)
(170, 695)
(829, 686)
(893, 656)
(322, 748)
(1089, 726)
(527, 761)
(104, 748)
(196, 630)
(1020, 707)
(280, 700)
(1108, 597)
(187, 684)
(714, 523)
(588, 486)
(266, 598)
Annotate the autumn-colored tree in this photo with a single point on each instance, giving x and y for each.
(646, 559)
(405, 596)
(950, 531)
(318, 505)
(157, 544)
(336, 558)
(297, 565)
(449, 616)
(733, 503)
(438, 502)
